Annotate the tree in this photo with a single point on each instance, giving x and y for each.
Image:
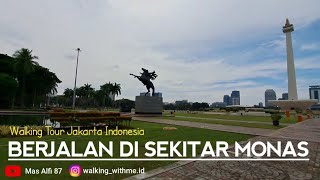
(42, 83)
(85, 94)
(68, 93)
(80, 92)
(88, 90)
(99, 97)
(23, 66)
(8, 90)
(196, 106)
(6, 64)
(125, 105)
(106, 90)
(115, 90)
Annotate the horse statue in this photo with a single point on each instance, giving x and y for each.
(146, 78)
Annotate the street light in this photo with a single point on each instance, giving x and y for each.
(75, 82)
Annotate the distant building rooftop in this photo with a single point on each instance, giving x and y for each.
(243, 106)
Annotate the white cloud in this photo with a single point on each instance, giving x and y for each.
(119, 37)
(310, 47)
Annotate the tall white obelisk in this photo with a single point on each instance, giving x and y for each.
(292, 85)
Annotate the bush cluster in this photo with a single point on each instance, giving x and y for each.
(84, 114)
(88, 118)
(5, 130)
(276, 116)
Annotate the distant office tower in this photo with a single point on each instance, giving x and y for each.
(158, 94)
(269, 95)
(144, 94)
(314, 92)
(218, 104)
(285, 96)
(235, 97)
(181, 102)
(227, 100)
(260, 104)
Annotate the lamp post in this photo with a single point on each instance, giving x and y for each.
(75, 81)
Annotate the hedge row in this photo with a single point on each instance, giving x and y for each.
(89, 121)
(97, 119)
(6, 132)
(84, 114)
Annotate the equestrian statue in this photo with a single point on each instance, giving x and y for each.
(146, 78)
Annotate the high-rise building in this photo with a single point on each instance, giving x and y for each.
(227, 100)
(218, 104)
(260, 104)
(285, 96)
(181, 102)
(270, 94)
(235, 97)
(314, 92)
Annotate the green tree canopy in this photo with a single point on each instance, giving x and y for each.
(23, 65)
(8, 89)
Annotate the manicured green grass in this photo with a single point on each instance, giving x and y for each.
(243, 121)
(290, 120)
(242, 124)
(153, 132)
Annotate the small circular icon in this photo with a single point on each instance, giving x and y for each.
(75, 170)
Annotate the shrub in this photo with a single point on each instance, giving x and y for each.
(5, 130)
(58, 110)
(83, 114)
(21, 120)
(298, 111)
(84, 121)
(276, 116)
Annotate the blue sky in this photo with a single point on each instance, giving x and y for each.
(201, 50)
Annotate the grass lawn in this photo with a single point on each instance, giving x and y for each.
(290, 120)
(153, 132)
(221, 119)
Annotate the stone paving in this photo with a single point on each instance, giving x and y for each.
(308, 131)
(217, 127)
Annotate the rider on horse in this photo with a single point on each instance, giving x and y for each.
(146, 78)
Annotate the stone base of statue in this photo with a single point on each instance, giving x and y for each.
(149, 105)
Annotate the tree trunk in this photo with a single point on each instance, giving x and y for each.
(22, 91)
(34, 97)
(12, 102)
(48, 100)
(104, 101)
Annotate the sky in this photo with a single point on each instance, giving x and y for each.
(200, 49)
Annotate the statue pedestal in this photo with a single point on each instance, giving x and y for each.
(149, 105)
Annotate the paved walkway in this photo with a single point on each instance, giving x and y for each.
(231, 120)
(307, 130)
(217, 127)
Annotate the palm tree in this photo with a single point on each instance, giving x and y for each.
(115, 91)
(81, 92)
(88, 90)
(43, 83)
(106, 89)
(24, 65)
(98, 96)
(68, 93)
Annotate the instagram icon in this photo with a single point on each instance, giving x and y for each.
(75, 170)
